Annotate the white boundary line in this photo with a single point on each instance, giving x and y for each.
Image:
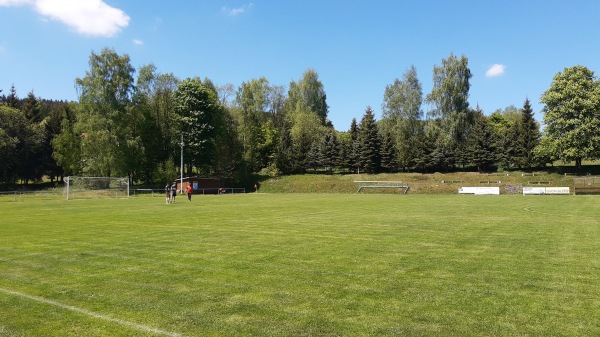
(137, 326)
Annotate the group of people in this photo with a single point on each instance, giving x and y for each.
(171, 192)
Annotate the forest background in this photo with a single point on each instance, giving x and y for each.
(123, 125)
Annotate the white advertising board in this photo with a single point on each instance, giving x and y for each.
(558, 190)
(480, 190)
(533, 190)
(546, 190)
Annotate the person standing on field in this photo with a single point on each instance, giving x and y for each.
(173, 192)
(168, 191)
(189, 192)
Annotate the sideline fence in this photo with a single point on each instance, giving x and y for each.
(587, 185)
(137, 192)
(22, 195)
(57, 194)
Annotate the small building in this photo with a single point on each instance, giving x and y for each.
(200, 185)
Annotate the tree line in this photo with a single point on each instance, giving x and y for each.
(136, 127)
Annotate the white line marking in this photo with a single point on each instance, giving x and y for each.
(92, 314)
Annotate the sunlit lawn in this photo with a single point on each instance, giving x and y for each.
(301, 265)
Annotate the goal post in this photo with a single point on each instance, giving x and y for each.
(78, 187)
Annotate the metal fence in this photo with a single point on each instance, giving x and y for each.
(59, 194)
(22, 195)
(587, 185)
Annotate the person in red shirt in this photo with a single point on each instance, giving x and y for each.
(189, 192)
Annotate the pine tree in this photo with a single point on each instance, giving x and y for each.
(31, 108)
(284, 154)
(12, 100)
(389, 162)
(353, 150)
(370, 143)
(300, 160)
(530, 136)
(481, 143)
(313, 157)
(329, 150)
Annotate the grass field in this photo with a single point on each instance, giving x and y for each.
(302, 265)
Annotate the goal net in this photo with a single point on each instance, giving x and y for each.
(96, 187)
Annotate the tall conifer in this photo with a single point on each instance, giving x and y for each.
(370, 143)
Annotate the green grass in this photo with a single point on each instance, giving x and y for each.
(302, 265)
(434, 183)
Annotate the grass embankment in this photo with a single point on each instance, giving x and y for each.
(435, 183)
(302, 265)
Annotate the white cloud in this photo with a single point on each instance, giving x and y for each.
(495, 70)
(87, 17)
(9, 3)
(138, 42)
(238, 10)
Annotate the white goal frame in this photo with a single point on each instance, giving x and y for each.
(96, 187)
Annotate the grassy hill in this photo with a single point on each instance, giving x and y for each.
(435, 183)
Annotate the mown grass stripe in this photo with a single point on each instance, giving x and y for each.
(90, 313)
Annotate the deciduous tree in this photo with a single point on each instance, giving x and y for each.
(308, 95)
(449, 98)
(402, 113)
(572, 114)
(104, 94)
(202, 121)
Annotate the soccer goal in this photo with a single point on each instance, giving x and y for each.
(96, 187)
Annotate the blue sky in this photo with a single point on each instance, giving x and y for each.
(357, 47)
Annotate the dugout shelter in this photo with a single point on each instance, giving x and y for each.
(200, 185)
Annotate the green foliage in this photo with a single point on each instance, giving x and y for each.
(503, 124)
(308, 95)
(402, 112)
(165, 171)
(353, 147)
(12, 100)
(329, 150)
(103, 119)
(201, 120)
(546, 152)
(482, 143)
(285, 150)
(306, 114)
(572, 114)
(108, 83)
(67, 149)
(403, 98)
(118, 128)
(450, 99)
(21, 145)
(154, 101)
(256, 128)
(306, 130)
(389, 161)
(228, 149)
(529, 137)
(32, 108)
(370, 143)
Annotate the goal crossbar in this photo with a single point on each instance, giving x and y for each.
(381, 184)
